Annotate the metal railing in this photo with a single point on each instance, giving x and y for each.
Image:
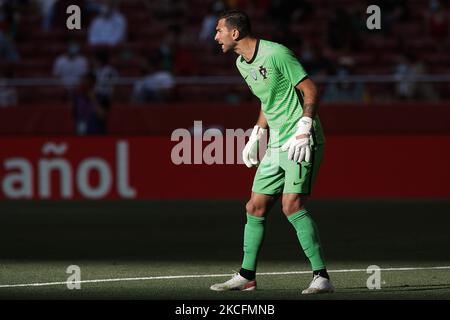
(230, 80)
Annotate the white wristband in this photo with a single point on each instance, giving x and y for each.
(304, 125)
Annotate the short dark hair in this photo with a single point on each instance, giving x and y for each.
(238, 20)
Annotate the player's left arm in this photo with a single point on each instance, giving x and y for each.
(310, 97)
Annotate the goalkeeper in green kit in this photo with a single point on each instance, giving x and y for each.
(290, 165)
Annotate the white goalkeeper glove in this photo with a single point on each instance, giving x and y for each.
(250, 152)
(298, 146)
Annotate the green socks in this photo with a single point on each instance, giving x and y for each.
(306, 232)
(309, 238)
(253, 238)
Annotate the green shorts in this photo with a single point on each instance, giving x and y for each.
(276, 174)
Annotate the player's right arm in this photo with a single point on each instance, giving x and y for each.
(250, 152)
(262, 121)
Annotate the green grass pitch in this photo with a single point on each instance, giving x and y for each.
(177, 249)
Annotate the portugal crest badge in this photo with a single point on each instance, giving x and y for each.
(263, 72)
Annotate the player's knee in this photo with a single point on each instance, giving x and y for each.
(291, 207)
(254, 209)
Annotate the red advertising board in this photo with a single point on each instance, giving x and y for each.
(387, 166)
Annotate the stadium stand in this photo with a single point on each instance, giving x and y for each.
(150, 23)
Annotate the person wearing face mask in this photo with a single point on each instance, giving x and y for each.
(344, 90)
(71, 66)
(109, 27)
(89, 109)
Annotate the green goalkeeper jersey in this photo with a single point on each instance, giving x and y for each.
(272, 75)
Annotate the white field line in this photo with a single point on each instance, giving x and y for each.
(41, 284)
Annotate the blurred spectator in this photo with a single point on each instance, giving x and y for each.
(314, 60)
(109, 27)
(105, 75)
(47, 9)
(93, 6)
(8, 94)
(343, 29)
(9, 16)
(156, 85)
(285, 12)
(184, 57)
(285, 36)
(166, 50)
(10, 12)
(343, 90)
(358, 22)
(208, 28)
(171, 12)
(90, 111)
(403, 71)
(54, 12)
(406, 70)
(70, 67)
(392, 12)
(8, 52)
(301, 10)
(437, 21)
